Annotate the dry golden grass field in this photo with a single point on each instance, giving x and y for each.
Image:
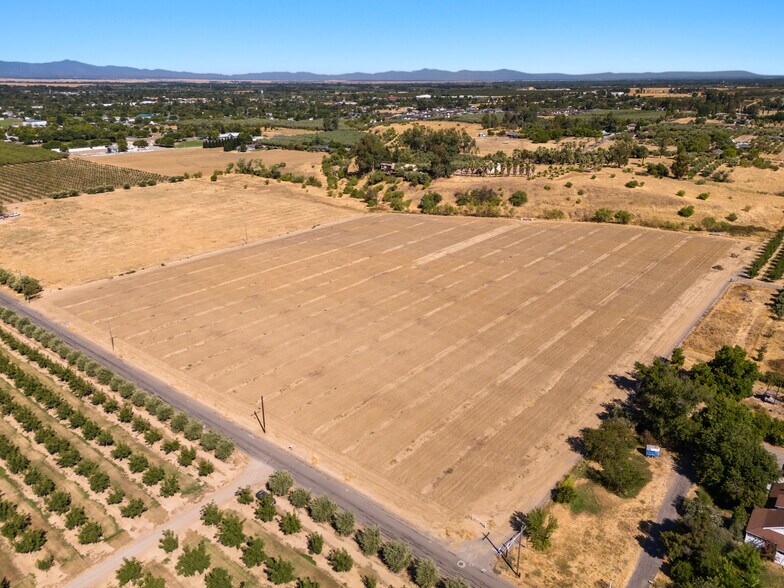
(76, 240)
(172, 162)
(437, 363)
(752, 195)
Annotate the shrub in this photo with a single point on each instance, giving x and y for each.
(45, 563)
(564, 492)
(210, 439)
(553, 214)
(340, 560)
(568, 184)
(602, 215)
(280, 482)
(518, 198)
(396, 555)
(623, 217)
(632, 184)
(290, 523)
(681, 193)
(732, 217)
(30, 541)
(703, 196)
(169, 541)
(686, 211)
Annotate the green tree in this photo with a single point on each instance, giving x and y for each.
(217, 578)
(133, 509)
(290, 523)
(322, 509)
(280, 482)
(266, 511)
(369, 153)
(129, 572)
(455, 583)
(244, 495)
(730, 372)
(253, 553)
(677, 358)
(59, 502)
(396, 555)
(369, 540)
(30, 541)
(315, 543)
(539, 528)
(680, 167)
(169, 541)
(613, 438)
(230, 530)
(340, 560)
(91, 532)
(343, 523)
(299, 498)
(211, 515)
(194, 560)
(426, 574)
(76, 517)
(280, 571)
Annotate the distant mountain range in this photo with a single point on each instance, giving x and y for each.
(76, 70)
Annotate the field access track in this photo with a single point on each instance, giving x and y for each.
(423, 357)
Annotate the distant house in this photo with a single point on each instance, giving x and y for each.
(228, 135)
(514, 135)
(766, 525)
(34, 123)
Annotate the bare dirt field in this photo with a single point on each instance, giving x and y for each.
(174, 162)
(76, 240)
(437, 363)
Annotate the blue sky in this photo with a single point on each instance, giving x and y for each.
(336, 37)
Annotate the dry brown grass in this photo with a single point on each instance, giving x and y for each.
(172, 162)
(418, 357)
(593, 550)
(751, 195)
(76, 240)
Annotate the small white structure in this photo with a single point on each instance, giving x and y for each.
(228, 135)
(34, 123)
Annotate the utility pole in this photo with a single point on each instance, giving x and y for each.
(111, 336)
(263, 420)
(502, 554)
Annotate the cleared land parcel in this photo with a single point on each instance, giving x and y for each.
(440, 363)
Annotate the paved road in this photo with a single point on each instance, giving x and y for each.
(651, 559)
(182, 521)
(365, 508)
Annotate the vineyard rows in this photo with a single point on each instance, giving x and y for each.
(11, 153)
(29, 181)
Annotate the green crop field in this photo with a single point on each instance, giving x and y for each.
(42, 179)
(192, 143)
(9, 122)
(346, 137)
(11, 153)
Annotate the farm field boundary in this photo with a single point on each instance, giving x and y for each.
(419, 383)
